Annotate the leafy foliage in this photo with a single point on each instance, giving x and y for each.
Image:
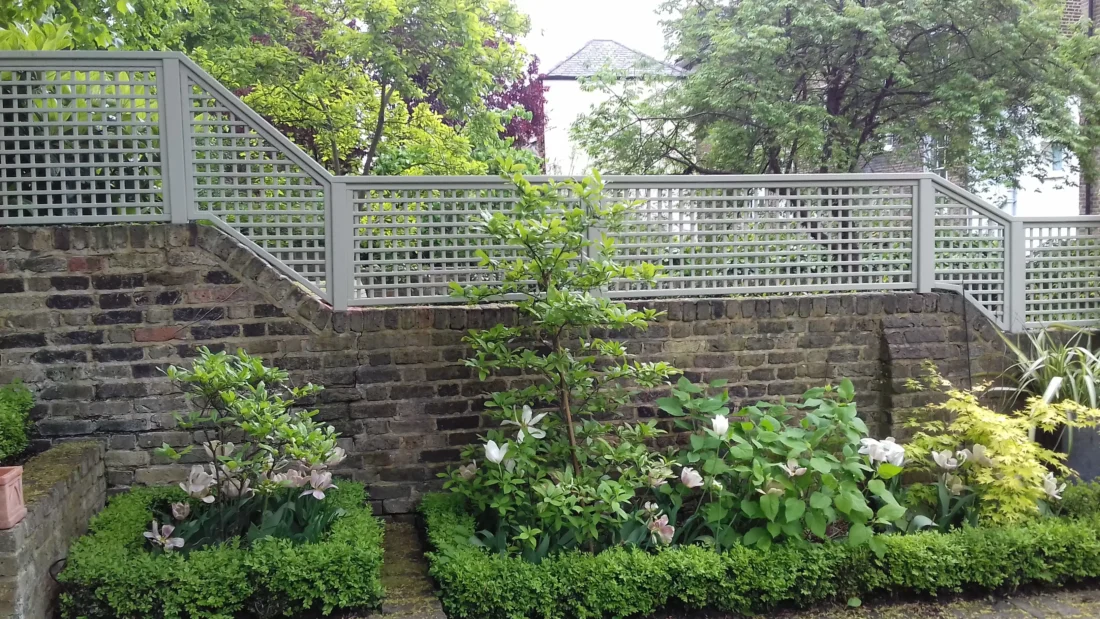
(783, 86)
(1056, 363)
(569, 480)
(109, 575)
(774, 472)
(404, 87)
(16, 402)
(992, 455)
(252, 490)
(630, 582)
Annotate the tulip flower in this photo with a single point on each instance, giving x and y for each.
(526, 424)
(467, 472)
(662, 530)
(319, 481)
(495, 453)
(720, 424)
(181, 510)
(198, 484)
(1051, 487)
(162, 536)
(690, 477)
(945, 460)
(792, 469)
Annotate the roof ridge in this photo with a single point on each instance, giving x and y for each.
(638, 61)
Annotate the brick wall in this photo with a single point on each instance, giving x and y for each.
(89, 316)
(63, 489)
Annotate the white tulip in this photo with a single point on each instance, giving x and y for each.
(720, 424)
(495, 453)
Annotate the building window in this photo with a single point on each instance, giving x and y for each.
(1057, 158)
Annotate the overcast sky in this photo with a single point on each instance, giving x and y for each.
(561, 27)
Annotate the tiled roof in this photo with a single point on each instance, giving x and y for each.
(600, 55)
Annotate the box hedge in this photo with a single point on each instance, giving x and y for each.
(623, 582)
(108, 572)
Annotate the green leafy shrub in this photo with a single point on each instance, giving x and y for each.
(110, 574)
(554, 475)
(272, 483)
(628, 581)
(16, 402)
(776, 471)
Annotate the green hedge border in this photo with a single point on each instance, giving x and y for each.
(625, 582)
(109, 574)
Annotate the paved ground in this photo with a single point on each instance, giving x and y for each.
(409, 592)
(409, 595)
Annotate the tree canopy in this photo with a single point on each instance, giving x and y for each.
(781, 86)
(365, 86)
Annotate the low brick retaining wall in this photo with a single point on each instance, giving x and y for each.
(63, 488)
(90, 316)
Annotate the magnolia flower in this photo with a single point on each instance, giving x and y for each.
(658, 476)
(181, 510)
(527, 424)
(198, 484)
(162, 536)
(662, 530)
(771, 488)
(954, 484)
(236, 488)
(720, 424)
(319, 481)
(792, 469)
(467, 472)
(980, 456)
(1051, 487)
(495, 453)
(292, 478)
(690, 477)
(885, 450)
(944, 460)
(336, 456)
(215, 449)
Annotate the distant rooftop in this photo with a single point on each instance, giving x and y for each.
(601, 55)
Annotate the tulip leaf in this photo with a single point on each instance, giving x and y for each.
(795, 508)
(741, 452)
(671, 406)
(847, 390)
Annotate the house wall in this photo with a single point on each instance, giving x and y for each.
(91, 316)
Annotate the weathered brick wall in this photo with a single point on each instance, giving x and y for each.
(89, 316)
(63, 488)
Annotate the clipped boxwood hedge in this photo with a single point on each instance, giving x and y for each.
(109, 574)
(623, 582)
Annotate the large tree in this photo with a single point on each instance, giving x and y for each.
(781, 86)
(365, 86)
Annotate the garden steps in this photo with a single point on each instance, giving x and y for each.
(410, 593)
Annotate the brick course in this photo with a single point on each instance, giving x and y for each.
(395, 384)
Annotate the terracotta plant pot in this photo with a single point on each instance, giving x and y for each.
(12, 509)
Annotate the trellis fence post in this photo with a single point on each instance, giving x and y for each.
(340, 232)
(175, 144)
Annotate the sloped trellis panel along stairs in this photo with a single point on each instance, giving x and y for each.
(96, 137)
